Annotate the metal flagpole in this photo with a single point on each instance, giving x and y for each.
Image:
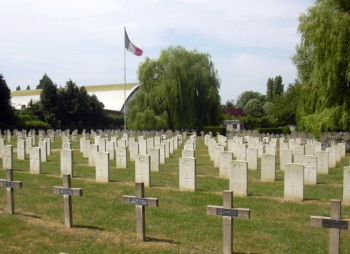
(124, 81)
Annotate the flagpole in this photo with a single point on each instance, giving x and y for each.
(124, 82)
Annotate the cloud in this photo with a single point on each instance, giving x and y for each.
(83, 39)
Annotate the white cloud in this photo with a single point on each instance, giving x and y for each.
(83, 39)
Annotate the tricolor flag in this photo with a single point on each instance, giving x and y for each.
(131, 47)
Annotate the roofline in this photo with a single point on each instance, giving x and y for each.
(92, 88)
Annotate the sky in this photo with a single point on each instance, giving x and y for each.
(83, 40)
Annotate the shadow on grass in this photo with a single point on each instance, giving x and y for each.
(88, 227)
(160, 240)
(29, 215)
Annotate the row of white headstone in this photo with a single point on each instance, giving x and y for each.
(299, 165)
(148, 154)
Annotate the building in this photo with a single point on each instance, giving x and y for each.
(233, 125)
(112, 96)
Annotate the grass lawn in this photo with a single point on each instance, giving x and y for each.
(179, 225)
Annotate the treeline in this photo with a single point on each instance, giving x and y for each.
(319, 100)
(276, 108)
(68, 107)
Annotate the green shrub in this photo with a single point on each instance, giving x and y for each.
(280, 130)
(36, 124)
(215, 129)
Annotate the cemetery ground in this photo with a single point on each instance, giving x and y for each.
(103, 224)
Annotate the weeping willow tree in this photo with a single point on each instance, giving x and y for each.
(323, 63)
(179, 90)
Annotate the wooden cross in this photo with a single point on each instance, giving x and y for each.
(10, 185)
(228, 213)
(140, 201)
(334, 223)
(67, 193)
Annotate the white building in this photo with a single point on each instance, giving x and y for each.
(112, 96)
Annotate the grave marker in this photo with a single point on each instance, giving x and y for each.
(294, 182)
(334, 223)
(238, 176)
(187, 174)
(10, 186)
(140, 202)
(67, 193)
(229, 214)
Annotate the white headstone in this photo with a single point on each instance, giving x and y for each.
(346, 186)
(310, 169)
(268, 168)
(67, 162)
(7, 157)
(21, 149)
(187, 174)
(286, 157)
(294, 182)
(252, 158)
(225, 159)
(322, 162)
(35, 160)
(143, 169)
(155, 159)
(239, 177)
(103, 170)
(121, 157)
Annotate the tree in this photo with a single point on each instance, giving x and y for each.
(45, 79)
(274, 88)
(180, 89)
(7, 116)
(269, 90)
(28, 87)
(277, 87)
(50, 102)
(243, 99)
(323, 63)
(254, 107)
(18, 88)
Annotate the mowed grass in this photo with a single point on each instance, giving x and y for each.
(180, 225)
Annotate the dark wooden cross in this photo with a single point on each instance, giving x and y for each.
(335, 223)
(140, 202)
(228, 213)
(10, 186)
(67, 193)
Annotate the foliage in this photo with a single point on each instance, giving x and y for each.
(18, 88)
(280, 130)
(323, 63)
(179, 90)
(28, 87)
(68, 107)
(254, 107)
(7, 116)
(243, 99)
(215, 129)
(274, 88)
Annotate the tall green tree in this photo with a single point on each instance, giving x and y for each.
(323, 63)
(274, 89)
(246, 96)
(7, 116)
(50, 101)
(180, 89)
(269, 90)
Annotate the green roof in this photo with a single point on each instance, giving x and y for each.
(94, 88)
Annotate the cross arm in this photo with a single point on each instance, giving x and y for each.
(241, 213)
(11, 184)
(67, 191)
(327, 222)
(132, 200)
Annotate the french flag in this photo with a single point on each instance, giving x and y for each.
(131, 47)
